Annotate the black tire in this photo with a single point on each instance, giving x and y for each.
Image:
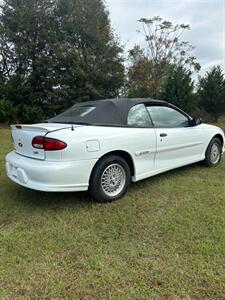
(96, 188)
(209, 160)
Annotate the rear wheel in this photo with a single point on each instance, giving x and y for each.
(213, 153)
(110, 179)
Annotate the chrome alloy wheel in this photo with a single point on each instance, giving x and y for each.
(113, 180)
(215, 153)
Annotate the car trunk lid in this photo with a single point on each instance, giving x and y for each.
(23, 135)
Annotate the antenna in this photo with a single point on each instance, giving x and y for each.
(71, 119)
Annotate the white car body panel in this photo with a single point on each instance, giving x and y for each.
(70, 169)
(179, 146)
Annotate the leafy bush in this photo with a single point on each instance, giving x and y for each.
(31, 114)
(7, 112)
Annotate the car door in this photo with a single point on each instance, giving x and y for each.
(142, 141)
(178, 143)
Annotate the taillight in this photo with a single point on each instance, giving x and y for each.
(48, 144)
(53, 144)
(38, 142)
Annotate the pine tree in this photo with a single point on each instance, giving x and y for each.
(211, 91)
(179, 89)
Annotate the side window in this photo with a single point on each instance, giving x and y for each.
(138, 116)
(165, 117)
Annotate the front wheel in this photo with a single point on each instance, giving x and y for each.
(110, 179)
(213, 153)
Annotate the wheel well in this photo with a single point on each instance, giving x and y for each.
(125, 155)
(219, 136)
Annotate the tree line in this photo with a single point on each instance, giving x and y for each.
(54, 53)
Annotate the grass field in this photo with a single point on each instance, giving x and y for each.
(164, 240)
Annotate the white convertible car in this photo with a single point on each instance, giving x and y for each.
(101, 146)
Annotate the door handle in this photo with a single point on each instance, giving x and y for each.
(163, 134)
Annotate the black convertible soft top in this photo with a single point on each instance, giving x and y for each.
(102, 112)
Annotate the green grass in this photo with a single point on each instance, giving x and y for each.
(164, 240)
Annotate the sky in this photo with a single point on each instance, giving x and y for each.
(206, 18)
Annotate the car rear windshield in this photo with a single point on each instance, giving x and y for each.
(75, 114)
(103, 113)
(78, 111)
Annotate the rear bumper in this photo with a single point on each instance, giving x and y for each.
(49, 176)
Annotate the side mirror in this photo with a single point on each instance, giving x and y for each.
(196, 121)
